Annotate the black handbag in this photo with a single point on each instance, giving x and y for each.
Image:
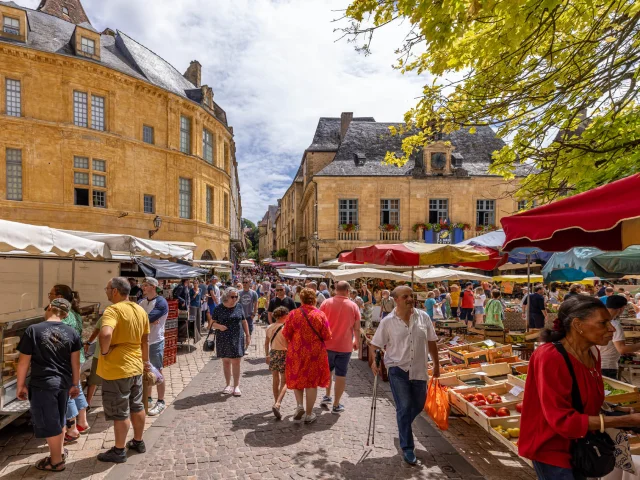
(594, 454)
(209, 344)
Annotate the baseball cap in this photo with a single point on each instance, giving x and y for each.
(61, 304)
(616, 301)
(151, 281)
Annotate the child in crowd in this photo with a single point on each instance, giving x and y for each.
(430, 303)
(52, 349)
(276, 345)
(479, 300)
(262, 307)
(494, 310)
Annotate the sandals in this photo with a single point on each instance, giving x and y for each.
(276, 411)
(69, 439)
(82, 430)
(46, 465)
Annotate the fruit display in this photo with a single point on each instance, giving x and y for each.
(519, 407)
(508, 433)
(613, 391)
(522, 377)
(490, 412)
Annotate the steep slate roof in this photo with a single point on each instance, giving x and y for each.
(370, 141)
(327, 136)
(51, 34)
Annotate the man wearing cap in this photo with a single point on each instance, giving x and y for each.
(157, 309)
(610, 354)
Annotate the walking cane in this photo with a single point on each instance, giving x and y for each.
(372, 415)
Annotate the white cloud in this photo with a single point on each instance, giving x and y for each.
(274, 66)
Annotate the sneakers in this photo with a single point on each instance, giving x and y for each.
(298, 414)
(150, 400)
(137, 446)
(113, 456)
(336, 409)
(310, 418)
(237, 392)
(157, 409)
(326, 401)
(409, 457)
(228, 390)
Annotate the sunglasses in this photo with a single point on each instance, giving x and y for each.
(234, 296)
(279, 289)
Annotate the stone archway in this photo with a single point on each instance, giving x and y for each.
(208, 255)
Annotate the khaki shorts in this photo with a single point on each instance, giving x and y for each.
(122, 397)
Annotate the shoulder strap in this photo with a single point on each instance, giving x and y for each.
(575, 390)
(275, 334)
(311, 326)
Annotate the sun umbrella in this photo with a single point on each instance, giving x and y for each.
(430, 275)
(616, 264)
(414, 254)
(353, 274)
(570, 266)
(518, 278)
(606, 217)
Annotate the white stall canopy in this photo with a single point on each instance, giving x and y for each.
(430, 275)
(354, 274)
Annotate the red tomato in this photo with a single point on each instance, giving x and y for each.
(503, 412)
(494, 394)
(480, 396)
(490, 412)
(470, 397)
(474, 403)
(481, 403)
(519, 407)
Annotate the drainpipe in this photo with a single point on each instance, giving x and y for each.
(315, 184)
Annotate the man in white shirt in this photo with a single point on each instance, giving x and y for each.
(610, 354)
(409, 336)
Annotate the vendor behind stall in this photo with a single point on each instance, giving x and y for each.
(610, 354)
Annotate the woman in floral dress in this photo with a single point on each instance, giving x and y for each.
(307, 365)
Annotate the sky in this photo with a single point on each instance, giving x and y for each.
(275, 67)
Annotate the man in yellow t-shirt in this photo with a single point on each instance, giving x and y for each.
(124, 355)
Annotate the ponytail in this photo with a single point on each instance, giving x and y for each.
(69, 295)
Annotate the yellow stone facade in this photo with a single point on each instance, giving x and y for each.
(48, 140)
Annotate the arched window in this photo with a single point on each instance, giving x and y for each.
(208, 255)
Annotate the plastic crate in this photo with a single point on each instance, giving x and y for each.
(171, 324)
(170, 342)
(170, 355)
(173, 315)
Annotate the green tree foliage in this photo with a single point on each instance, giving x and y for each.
(282, 253)
(557, 78)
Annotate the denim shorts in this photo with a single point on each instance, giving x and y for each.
(74, 405)
(156, 354)
(339, 361)
(478, 310)
(48, 411)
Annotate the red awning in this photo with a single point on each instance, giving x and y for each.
(495, 259)
(606, 217)
(414, 254)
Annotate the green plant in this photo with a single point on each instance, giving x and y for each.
(282, 253)
(390, 227)
(348, 227)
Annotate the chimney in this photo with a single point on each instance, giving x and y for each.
(345, 121)
(194, 73)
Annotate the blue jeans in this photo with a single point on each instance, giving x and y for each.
(74, 405)
(409, 396)
(551, 472)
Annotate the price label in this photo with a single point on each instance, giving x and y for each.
(455, 339)
(515, 391)
(481, 373)
(489, 343)
(607, 393)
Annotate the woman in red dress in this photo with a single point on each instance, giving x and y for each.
(307, 366)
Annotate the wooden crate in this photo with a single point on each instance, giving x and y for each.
(513, 380)
(469, 354)
(495, 369)
(522, 337)
(502, 389)
(504, 351)
(630, 397)
(505, 422)
(477, 414)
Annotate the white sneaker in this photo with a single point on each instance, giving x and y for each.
(298, 414)
(228, 390)
(237, 392)
(310, 418)
(157, 409)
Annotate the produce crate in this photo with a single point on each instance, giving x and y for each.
(513, 380)
(456, 395)
(476, 379)
(450, 381)
(507, 360)
(170, 342)
(469, 354)
(477, 414)
(505, 423)
(500, 351)
(495, 369)
(520, 368)
(170, 355)
(522, 337)
(630, 395)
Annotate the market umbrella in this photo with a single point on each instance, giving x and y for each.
(495, 240)
(518, 278)
(430, 275)
(353, 274)
(606, 217)
(570, 266)
(616, 264)
(414, 254)
(164, 269)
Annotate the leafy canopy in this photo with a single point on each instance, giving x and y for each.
(558, 78)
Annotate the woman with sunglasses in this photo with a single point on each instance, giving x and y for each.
(232, 338)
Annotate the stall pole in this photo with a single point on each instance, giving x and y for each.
(73, 272)
(412, 277)
(528, 258)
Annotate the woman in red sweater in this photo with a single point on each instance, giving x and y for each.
(549, 422)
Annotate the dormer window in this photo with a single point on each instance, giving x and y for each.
(11, 26)
(65, 10)
(359, 159)
(88, 46)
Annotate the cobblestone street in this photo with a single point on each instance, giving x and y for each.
(206, 435)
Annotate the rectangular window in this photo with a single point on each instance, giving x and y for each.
(185, 135)
(65, 10)
(14, 174)
(526, 204)
(185, 197)
(81, 178)
(438, 210)
(390, 212)
(80, 109)
(97, 112)
(14, 103)
(81, 196)
(485, 212)
(11, 26)
(149, 204)
(88, 46)
(99, 181)
(147, 134)
(209, 205)
(99, 199)
(207, 145)
(226, 210)
(80, 162)
(226, 157)
(100, 165)
(348, 211)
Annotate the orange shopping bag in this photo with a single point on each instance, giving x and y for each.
(437, 404)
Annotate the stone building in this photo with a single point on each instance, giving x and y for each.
(267, 233)
(99, 133)
(343, 196)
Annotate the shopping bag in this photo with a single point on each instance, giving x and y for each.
(437, 404)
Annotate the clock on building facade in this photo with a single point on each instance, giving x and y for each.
(438, 161)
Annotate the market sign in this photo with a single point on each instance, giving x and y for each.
(443, 237)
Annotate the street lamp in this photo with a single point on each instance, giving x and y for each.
(157, 222)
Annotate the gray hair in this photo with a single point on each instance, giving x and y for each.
(228, 292)
(122, 285)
